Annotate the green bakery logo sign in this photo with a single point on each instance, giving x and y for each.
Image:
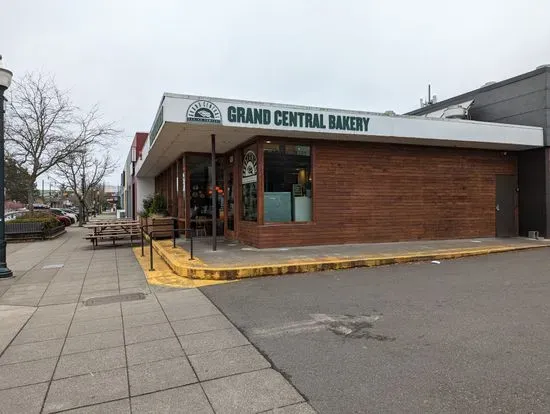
(296, 119)
(205, 112)
(250, 168)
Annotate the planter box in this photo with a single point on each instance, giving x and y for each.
(54, 232)
(32, 231)
(160, 226)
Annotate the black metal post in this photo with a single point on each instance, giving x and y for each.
(4, 271)
(175, 225)
(214, 194)
(191, 248)
(151, 251)
(142, 252)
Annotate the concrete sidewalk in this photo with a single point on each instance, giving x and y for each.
(233, 260)
(86, 331)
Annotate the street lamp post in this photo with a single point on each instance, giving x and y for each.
(5, 81)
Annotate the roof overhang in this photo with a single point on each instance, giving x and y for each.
(185, 123)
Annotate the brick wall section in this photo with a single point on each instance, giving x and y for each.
(385, 193)
(248, 233)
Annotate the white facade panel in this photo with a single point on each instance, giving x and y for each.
(184, 123)
(145, 187)
(266, 116)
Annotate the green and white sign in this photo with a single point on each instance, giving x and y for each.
(296, 119)
(204, 111)
(234, 122)
(250, 168)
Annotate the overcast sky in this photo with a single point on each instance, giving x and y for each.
(369, 55)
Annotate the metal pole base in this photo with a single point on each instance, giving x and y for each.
(5, 272)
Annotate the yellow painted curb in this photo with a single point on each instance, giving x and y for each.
(178, 260)
(164, 276)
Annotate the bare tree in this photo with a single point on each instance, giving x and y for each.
(44, 129)
(83, 172)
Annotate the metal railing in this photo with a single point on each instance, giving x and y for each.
(151, 234)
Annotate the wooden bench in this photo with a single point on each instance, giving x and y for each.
(95, 238)
(114, 234)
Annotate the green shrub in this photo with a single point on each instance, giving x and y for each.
(147, 203)
(38, 217)
(154, 205)
(159, 205)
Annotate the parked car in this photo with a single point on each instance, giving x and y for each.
(11, 215)
(71, 212)
(66, 221)
(61, 212)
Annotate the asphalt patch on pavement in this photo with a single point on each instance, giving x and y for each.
(350, 326)
(357, 330)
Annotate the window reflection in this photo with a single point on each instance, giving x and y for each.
(288, 182)
(200, 170)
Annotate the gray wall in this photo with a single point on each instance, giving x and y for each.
(547, 156)
(523, 103)
(532, 184)
(522, 100)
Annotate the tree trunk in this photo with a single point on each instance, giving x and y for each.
(81, 220)
(31, 197)
(84, 213)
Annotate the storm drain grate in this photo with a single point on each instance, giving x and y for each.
(104, 300)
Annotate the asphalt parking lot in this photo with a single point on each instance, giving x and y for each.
(468, 335)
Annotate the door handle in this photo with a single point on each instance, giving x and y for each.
(498, 207)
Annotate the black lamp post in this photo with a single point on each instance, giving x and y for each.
(5, 81)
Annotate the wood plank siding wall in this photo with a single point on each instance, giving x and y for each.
(168, 184)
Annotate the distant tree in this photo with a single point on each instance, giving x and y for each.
(16, 180)
(44, 129)
(83, 173)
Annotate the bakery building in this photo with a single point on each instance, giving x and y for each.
(275, 175)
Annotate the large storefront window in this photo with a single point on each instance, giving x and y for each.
(249, 180)
(287, 177)
(200, 168)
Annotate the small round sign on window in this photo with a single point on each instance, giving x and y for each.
(250, 168)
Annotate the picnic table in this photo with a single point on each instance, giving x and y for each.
(115, 229)
(111, 221)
